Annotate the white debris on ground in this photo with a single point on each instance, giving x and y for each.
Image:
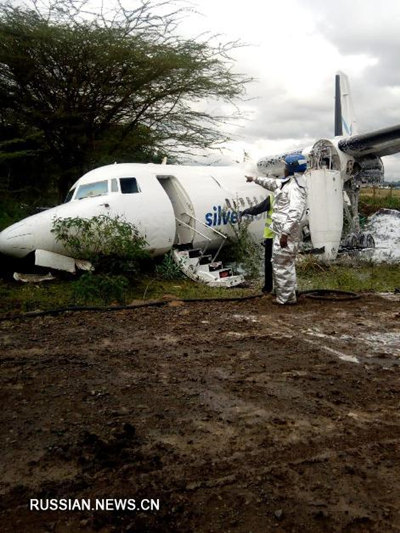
(376, 343)
(384, 341)
(390, 296)
(33, 278)
(385, 228)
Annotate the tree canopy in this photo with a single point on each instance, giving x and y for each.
(80, 89)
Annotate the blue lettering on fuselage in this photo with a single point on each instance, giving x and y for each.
(220, 216)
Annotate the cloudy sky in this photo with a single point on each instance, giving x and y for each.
(295, 48)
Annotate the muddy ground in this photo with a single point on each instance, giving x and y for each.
(235, 416)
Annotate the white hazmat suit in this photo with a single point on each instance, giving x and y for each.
(289, 209)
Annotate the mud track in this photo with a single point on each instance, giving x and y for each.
(236, 416)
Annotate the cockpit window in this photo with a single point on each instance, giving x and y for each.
(69, 196)
(129, 185)
(92, 189)
(114, 185)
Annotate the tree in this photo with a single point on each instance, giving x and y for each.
(118, 86)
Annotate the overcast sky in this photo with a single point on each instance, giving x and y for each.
(295, 49)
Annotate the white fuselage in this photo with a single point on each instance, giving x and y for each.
(169, 205)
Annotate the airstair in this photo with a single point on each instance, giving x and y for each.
(202, 267)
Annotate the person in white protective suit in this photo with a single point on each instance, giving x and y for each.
(289, 209)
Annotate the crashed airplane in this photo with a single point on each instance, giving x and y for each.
(191, 210)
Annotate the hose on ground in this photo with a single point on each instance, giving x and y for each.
(330, 294)
(316, 294)
(152, 303)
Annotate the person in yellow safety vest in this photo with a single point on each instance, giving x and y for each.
(265, 206)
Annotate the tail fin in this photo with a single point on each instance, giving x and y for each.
(345, 123)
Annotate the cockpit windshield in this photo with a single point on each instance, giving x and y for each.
(69, 196)
(90, 190)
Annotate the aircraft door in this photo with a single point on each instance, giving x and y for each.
(183, 209)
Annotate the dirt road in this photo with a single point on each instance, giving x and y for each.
(231, 416)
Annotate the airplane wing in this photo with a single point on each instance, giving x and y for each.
(379, 143)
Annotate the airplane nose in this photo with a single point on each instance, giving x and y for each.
(17, 240)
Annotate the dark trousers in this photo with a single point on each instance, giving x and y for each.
(267, 265)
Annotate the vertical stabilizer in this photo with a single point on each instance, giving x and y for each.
(345, 123)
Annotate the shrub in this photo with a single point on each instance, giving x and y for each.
(168, 269)
(244, 250)
(100, 287)
(110, 244)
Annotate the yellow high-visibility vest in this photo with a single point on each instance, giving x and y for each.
(268, 233)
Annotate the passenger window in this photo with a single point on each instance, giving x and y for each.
(129, 185)
(248, 200)
(69, 196)
(242, 202)
(92, 189)
(228, 203)
(114, 185)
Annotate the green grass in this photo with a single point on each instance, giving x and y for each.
(16, 297)
(349, 275)
(20, 297)
(371, 200)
